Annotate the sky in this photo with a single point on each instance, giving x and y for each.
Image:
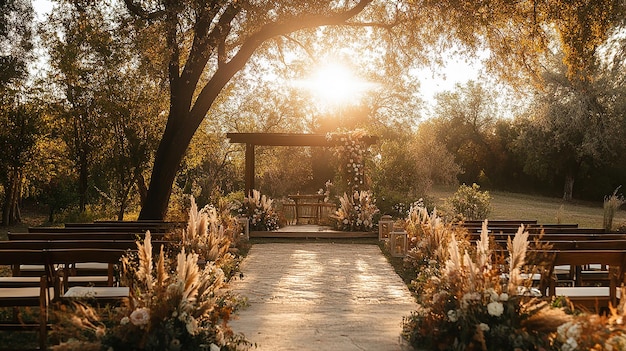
(42, 7)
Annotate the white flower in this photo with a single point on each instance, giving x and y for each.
(452, 316)
(504, 297)
(495, 309)
(570, 345)
(484, 327)
(574, 331)
(140, 317)
(214, 347)
(124, 321)
(192, 326)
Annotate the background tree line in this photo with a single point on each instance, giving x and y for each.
(83, 135)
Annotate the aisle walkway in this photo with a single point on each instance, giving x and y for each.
(322, 296)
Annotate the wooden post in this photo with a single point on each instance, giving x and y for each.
(249, 169)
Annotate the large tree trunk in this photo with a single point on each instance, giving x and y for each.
(168, 157)
(11, 208)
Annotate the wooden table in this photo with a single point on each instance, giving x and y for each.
(312, 200)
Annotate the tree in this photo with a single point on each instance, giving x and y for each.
(110, 96)
(573, 127)
(18, 141)
(20, 121)
(207, 44)
(408, 165)
(16, 17)
(465, 119)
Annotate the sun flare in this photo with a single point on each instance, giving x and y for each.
(335, 84)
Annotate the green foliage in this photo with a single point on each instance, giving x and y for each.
(74, 215)
(469, 203)
(60, 194)
(575, 129)
(23, 128)
(408, 164)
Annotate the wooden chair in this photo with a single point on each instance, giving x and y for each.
(590, 297)
(19, 292)
(69, 258)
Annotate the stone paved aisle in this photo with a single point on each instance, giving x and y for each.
(322, 296)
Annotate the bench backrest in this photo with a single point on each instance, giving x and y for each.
(62, 235)
(75, 244)
(103, 228)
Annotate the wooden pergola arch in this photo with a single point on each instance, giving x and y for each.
(280, 139)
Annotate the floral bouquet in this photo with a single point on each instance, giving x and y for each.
(179, 299)
(356, 212)
(472, 298)
(187, 309)
(258, 208)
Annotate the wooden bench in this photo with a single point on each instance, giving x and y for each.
(580, 275)
(97, 229)
(65, 235)
(94, 273)
(550, 237)
(496, 222)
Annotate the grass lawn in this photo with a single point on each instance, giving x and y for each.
(507, 205)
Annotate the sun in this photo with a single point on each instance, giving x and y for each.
(335, 85)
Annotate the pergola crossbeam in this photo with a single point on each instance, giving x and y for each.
(279, 139)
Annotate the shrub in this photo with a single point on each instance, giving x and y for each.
(469, 203)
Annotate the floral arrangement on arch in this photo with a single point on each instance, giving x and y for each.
(356, 212)
(258, 208)
(351, 151)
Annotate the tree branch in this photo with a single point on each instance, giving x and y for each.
(223, 74)
(139, 11)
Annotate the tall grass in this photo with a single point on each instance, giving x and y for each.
(611, 205)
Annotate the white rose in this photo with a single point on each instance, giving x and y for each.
(452, 316)
(484, 327)
(504, 297)
(192, 326)
(124, 321)
(495, 309)
(140, 316)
